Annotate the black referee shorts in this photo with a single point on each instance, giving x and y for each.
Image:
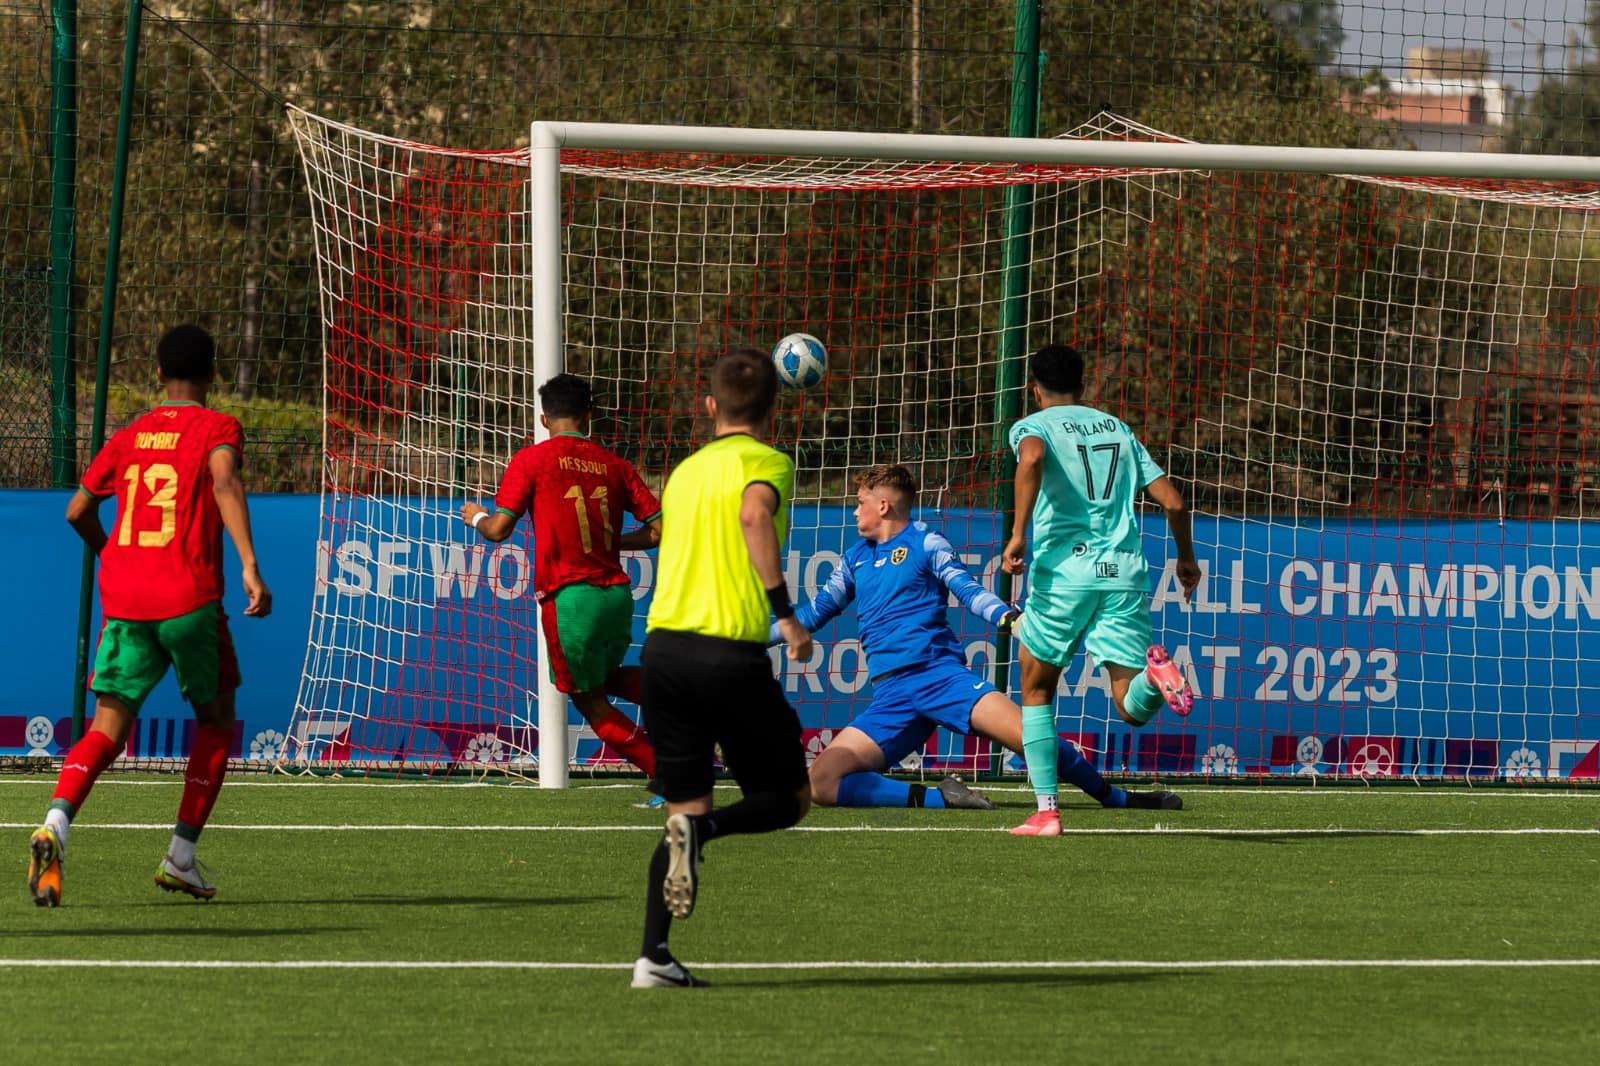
(702, 691)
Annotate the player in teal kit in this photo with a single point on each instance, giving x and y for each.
(1079, 471)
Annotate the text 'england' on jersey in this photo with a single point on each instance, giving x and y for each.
(1085, 528)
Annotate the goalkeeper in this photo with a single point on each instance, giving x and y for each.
(901, 572)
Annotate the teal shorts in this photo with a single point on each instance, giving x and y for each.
(1113, 625)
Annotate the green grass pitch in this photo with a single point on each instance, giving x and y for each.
(1118, 943)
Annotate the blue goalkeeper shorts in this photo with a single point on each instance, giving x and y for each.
(1113, 626)
(907, 707)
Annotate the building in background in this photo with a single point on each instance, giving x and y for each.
(1445, 102)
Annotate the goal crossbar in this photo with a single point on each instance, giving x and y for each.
(1043, 151)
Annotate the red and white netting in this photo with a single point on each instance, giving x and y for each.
(1380, 394)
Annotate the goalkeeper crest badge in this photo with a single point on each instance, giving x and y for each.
(898, 556)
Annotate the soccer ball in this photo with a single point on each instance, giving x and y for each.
(801, 360)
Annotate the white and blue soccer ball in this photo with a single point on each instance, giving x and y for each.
(801, 360)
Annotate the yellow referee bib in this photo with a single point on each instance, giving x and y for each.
(704, 581)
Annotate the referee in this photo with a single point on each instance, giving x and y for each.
(707, 678)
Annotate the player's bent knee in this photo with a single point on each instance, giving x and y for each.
(824, 788)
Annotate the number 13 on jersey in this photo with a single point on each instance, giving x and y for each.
(161, 481)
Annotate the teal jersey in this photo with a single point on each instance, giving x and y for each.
(1085, 531)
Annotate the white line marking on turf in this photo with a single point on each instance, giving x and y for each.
(419, 827)
(836, 964)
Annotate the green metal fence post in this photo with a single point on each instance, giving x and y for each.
(108, 314)
(63, 240)
(1014, 264)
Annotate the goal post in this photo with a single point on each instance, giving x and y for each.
(1373, 372)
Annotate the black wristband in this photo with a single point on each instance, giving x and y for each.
(779, 598)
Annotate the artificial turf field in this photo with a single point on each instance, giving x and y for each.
(501, 920)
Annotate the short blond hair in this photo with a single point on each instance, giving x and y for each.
(889, 476)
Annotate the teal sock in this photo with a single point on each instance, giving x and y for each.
(1143, 700)
(1039, 747)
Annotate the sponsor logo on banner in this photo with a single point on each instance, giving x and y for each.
(488, 749)
(266, 746)
(1308, 754)
(1524, 762)
(1219, 759)
(1296, 754)
(1372, 756)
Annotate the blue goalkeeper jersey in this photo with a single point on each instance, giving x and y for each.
(902, 586)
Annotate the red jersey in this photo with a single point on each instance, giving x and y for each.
(576, 491)
(163, 558)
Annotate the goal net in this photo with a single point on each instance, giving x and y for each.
(1379, 395)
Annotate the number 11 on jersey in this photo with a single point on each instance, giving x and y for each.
(575, 494)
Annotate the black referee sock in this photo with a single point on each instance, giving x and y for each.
(657, 921)
(758, 812)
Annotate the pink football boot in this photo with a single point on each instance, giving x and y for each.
(1165, 676)
(1040, 824)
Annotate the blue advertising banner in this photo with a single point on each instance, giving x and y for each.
(1372, 647)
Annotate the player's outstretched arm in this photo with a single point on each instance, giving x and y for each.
(756, 509)
(829, 602)
(228, 489)
(83, 515)
(1029, 476)
(968, 590)
(1166, 494)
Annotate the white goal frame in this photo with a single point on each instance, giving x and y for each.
(547, 139)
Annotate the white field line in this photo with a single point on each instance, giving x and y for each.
(420, 827)
(836, 964)
(1346, 791)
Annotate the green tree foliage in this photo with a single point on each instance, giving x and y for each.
(1313, 26)
(218, 226)
(1562, 116)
